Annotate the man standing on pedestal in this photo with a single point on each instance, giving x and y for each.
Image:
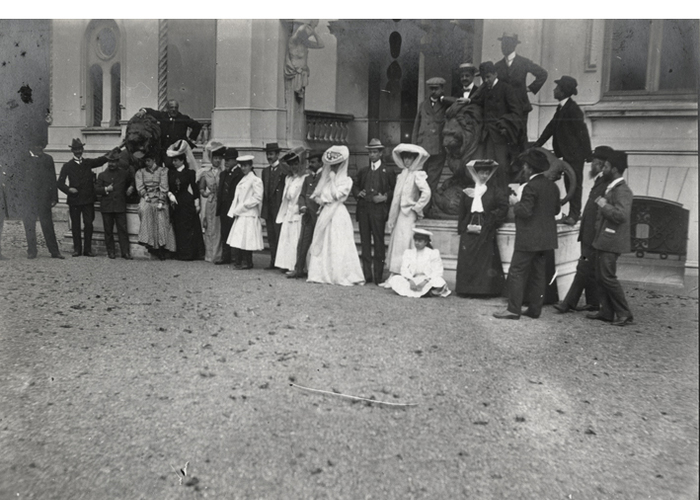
(174, 126)
(535, 234)
(571, 141)
(513, 70)
(372, 188)
(80, 192)
(229, 178)
(273, 178)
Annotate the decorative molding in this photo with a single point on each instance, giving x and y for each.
(642, 108)
(592, 46)
(162, 63)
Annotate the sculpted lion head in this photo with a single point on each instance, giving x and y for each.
(142, 136)
(461, 134)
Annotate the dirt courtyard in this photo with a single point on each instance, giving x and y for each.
(114, 373)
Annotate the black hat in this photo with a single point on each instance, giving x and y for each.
(487, 67)
(618, 160)
(568, 84)
(230, 154)
(77, 144)
(114, 155)
(512, 36)
(272, 147)
(537, 160)
(315, 154)
(220, 151)
(603, 152)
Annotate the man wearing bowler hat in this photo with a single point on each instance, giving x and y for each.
(80, 192)
(273, 178)
(372, 188)
(513, 70)
(229, 178)
(535, 234)
(571, 141)
(427, 132)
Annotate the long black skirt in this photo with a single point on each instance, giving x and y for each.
(188, 229)
(479, 267)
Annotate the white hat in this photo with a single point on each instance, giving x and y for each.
(424, 232)
(245, 158)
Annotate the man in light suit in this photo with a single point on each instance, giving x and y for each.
(535, 234)
(513, 70)
(373, 188)
(613, 238)
(571, 141)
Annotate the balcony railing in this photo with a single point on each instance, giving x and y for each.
(327, 128)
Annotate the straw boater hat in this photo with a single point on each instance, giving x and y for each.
(512, 36)
(374, 144)
(468, 68)
(422, 232)
(245, 159)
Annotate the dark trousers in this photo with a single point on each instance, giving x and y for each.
(245, 257)
(305, 238)
(584, 279)
(226, 224)
(526, 277)
(433, 167)
(273, 236)
(109, 219)
(612, 296)
(372, 222)
(46, 222)
(88, 215)
(575, 202)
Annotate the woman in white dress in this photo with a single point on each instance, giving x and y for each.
(288, 214)
(421, 270)
(411, 195)
(333, 257)
(246, 232)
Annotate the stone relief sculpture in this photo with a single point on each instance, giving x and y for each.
(296, 69)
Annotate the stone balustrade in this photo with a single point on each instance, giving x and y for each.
(327, 128)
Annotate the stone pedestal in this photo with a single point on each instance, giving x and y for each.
(446, 239)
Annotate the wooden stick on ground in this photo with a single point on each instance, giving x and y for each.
(351, 397)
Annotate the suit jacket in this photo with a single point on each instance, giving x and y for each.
(535, 216)
(427, 128)
(273, 183)
(80, 177)
(227, 189)
(613, 221)
(501, 111)
(571, 140)
(41, 181)
(459, 94)
(115, 200)
(587, 231)
(305, 200)
(386, 183)
(174, 129)
(516, 77)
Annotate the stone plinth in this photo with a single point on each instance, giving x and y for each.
(446, 239)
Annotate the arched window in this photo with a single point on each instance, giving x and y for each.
(103, 53)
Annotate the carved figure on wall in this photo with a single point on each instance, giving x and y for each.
(296, 69)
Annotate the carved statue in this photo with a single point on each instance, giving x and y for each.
(142, 136)
(296, 69)
(460, 137)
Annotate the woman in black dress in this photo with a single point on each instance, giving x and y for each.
(483, 208)
(184, 197)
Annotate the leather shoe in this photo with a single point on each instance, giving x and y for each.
(127, 257)
(568, 220)
(623, 320)
(88, 254)
(270, 268)
(598, 316)
(221, 263)
(31, 256)
(562, 307)
(111, 256)
(58, 256)
(76, 254)
(531, 314)
(588, 307)
(506, 315)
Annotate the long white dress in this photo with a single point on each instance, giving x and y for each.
(290, 218)
(246, 232)
(333, 257)
(418, 265)
(411, 195)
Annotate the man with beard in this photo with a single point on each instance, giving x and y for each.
(585, 270)
(611, 239)
(173, 127)
(228, 180)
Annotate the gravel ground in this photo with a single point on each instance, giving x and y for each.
(113, 372)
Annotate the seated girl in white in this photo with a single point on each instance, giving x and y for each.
(421, 270)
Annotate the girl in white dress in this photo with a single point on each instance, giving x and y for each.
(288, 214)
(246, 232)
(333, 257)
(411, 195)
(421, 270)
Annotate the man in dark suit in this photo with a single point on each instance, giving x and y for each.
(611, 239)
(309, 210)
(585, 270)
(535, 234)
(80, 192)
(571, 141)
(174, 126)
(467, 88)
(513, 70)
(427, 132)
(40, 178)
(273, 178)
(114, 185)
(373, 188)
(229, 178)
(501, 121)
